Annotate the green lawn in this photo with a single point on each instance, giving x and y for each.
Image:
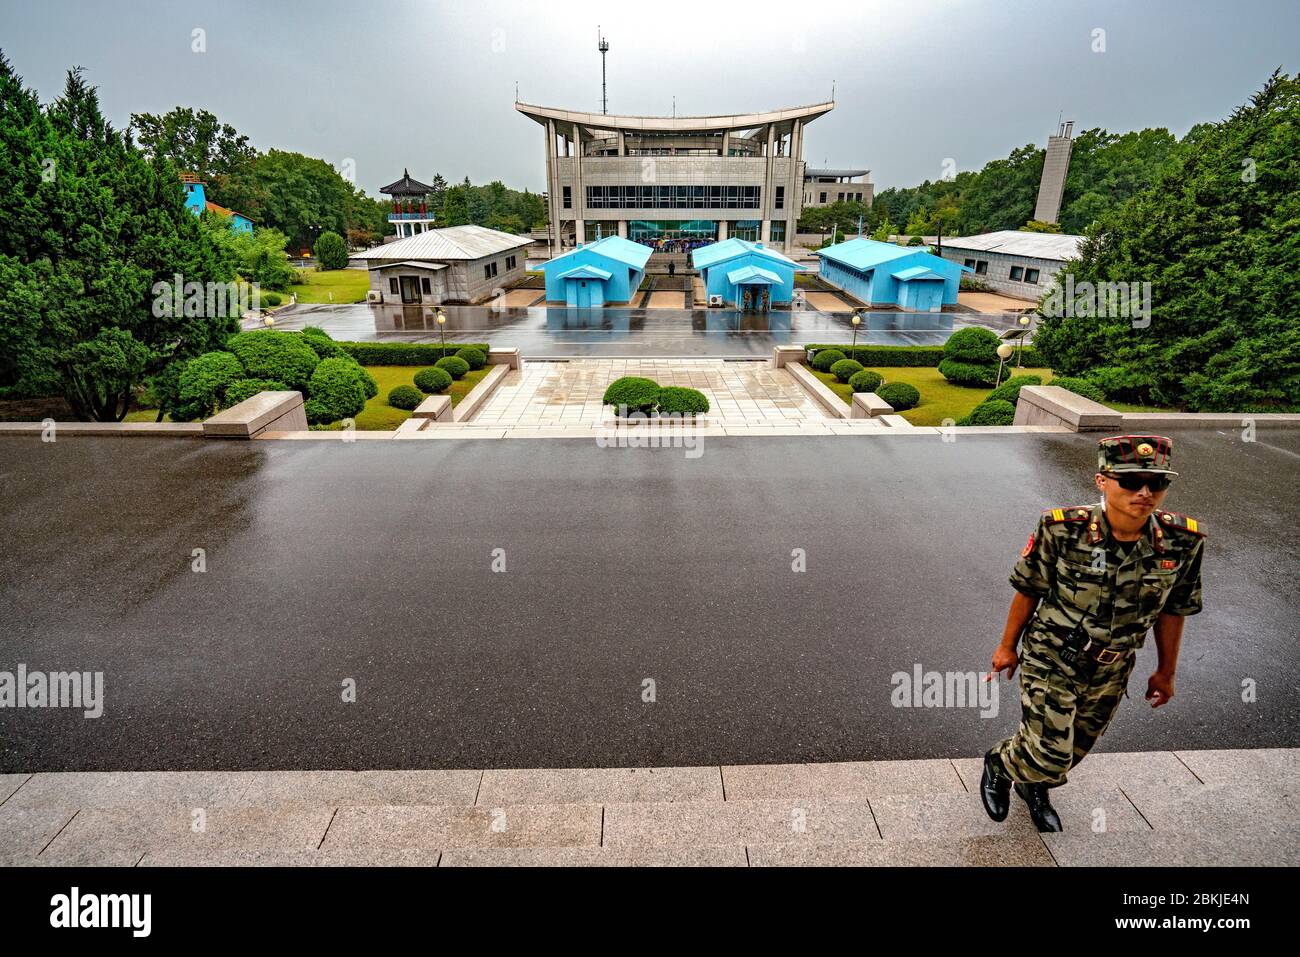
(940, 399)
(379, 416)
(345, 285)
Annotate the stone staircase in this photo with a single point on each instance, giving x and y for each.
(1148, 808)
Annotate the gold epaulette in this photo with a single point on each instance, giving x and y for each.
(1069, 513)
(1184, 522)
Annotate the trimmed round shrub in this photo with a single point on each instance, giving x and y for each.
(432, 380)
(271, 299)
(475, 357)
(632, 394)
(286, 357)
(456, 366)
(965, 373)
(900, 395)
(992, 412)
(368, 382)
(866, 381)
(825, 358)
(974, 344)
(322, 345)
(405, 397)
(331, 251)
(680, 401)
(1009, 391)
(335, 390)
(242, 389)
(201, 389)
(845, 368)
(316, 331)
(1080, 387)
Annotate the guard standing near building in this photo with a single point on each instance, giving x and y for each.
(1091, 581)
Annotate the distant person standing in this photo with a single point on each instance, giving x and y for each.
(672, 269)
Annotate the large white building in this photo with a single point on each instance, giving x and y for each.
(658, 178)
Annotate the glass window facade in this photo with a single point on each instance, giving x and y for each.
(748, 229)
(594, 229)
(673, 197)
(651, 230)
(777, 231)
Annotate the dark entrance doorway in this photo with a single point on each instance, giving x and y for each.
(410, 288)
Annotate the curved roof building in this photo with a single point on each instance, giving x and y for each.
(672, 181)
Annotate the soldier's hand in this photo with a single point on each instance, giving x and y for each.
(1003, 659)
(1160, 689)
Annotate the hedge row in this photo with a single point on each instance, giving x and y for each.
(907, 355)
(404, 353)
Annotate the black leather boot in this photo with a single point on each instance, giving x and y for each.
(995, 789)
(1041, 811)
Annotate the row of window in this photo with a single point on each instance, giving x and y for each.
(843, 197)
(1018, 273)
(673, 197)
(490, 269)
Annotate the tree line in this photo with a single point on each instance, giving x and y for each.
(304, 197)
(1106, 170)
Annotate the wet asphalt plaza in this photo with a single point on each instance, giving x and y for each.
(542, 331)
(372, 563)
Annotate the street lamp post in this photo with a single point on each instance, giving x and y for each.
(442, 322)
(1004, 353)
(857, 321)
(1020, 354)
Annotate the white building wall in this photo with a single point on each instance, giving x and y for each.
(998, 277)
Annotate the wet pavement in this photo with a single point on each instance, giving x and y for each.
(372, 563)
(614, 331)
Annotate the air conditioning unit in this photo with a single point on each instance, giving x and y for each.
(374, 295)
(715, 301)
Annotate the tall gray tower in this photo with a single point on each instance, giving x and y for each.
(1055, 167)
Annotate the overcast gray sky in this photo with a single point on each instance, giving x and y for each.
(431, 85)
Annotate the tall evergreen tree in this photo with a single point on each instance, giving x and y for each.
(90, 226)
(1218, 238)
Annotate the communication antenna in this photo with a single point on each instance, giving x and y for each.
(674, 107)
(603, 46)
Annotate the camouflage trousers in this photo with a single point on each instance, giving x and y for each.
(1064, 710)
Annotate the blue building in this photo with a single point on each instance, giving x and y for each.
(606, 271)
(745, 274)
(883, 274)
(196, 200)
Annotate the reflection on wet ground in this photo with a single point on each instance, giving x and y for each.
(541, 331)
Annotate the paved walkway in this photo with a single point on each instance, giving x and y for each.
(569, 393)
(1146, 808)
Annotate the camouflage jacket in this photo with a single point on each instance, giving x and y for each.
(1068, 564)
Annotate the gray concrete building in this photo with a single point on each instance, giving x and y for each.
(1013, 262)
(822, 187)
(659, 179)
(460, 264)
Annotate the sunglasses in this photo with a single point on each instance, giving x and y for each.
(1132, 481)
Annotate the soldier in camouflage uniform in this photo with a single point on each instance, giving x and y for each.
(1091, 581)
